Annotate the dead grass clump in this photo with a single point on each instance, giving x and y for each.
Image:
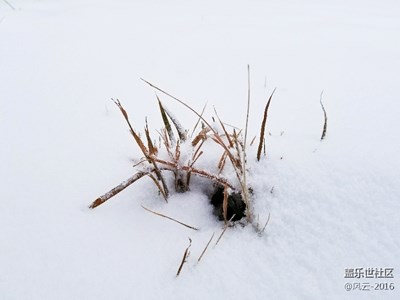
(151, 165)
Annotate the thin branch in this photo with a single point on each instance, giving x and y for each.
(169, 218)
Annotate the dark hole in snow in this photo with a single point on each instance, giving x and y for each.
(236, 205)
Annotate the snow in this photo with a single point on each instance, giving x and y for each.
(334, 204)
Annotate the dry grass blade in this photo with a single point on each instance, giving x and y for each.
(198, 121)
(181, 102)
(177, 152)
(243, 182)
(117, 189)
(218, 138)
(266, 223)
(169, 218)
(224, 129)
(185, 256)
(152, 149)
(222, 160)
(325, 118)
(135, 136)
(225, 204)
(160, 188)
(143, 147)
(223, 231)
(205, 249)
(201, 136)
(262, 131)
(166, 122)
(252, 141)
(181, 131)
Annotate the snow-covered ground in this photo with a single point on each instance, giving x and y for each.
(334, 206)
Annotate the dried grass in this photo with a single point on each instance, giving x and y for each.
(262, 131)
(206, 247)
(185, 256)
(169, 218)
(325, 118)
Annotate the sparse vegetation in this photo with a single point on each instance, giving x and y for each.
(230, 198)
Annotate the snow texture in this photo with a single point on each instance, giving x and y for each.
(333, 205)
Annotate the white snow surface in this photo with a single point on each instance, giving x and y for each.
(334, 205)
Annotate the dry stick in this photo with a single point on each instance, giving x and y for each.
(169, 218)
(205, 249)
(117, 189)
(9, 4)
(262, 133)
(325, 117)
(185, 255)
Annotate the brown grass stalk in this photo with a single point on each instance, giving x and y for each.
(205, 249)
(325, 118)
(262, 131)
(225, 204)
(185, 256)
(160, 188)
(166, 122)
(198, 121)
(169, 218)
(223, 231)
(196, 171)
(117, 189)
(224, 129)
(143, 147)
